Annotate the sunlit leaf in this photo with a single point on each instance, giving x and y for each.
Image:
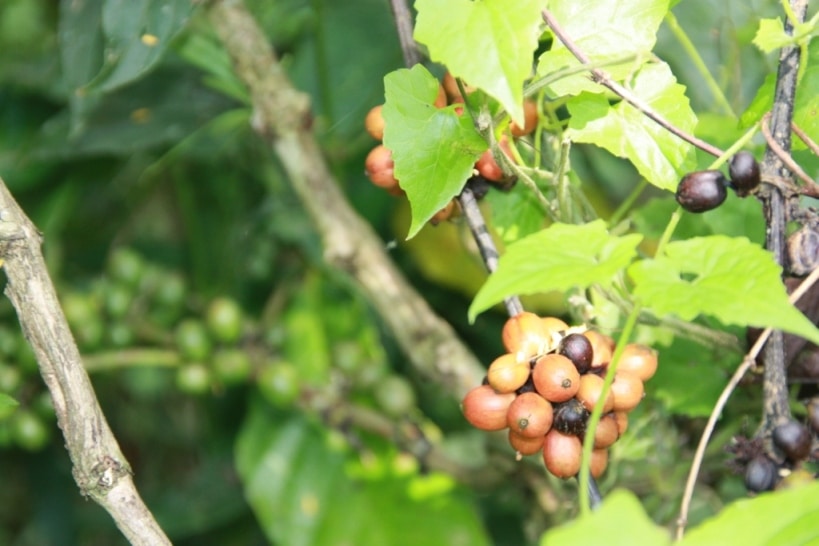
(731, 279)
(771, 35)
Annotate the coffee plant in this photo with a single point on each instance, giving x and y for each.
(390, 272)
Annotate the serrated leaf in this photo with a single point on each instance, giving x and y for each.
(621, 519)
(781, 517)
(771, 35)
(731, 279)
(434, 149)
(304, 493)
(489, 43)
(560, 257)
(605, 32)
(137, 34)
(659, 156)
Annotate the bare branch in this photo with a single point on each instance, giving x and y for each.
(810, 189)
(99, 468)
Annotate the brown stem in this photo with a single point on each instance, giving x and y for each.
(350, 245)
(603, 79)
(810, 189)
(404, 25)
(99, 468)
(803, 136)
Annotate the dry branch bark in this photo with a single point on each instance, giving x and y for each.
(282, 117)
(99, 468)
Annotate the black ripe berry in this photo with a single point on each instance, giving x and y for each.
(578, 349)
(570, 417)
(761, 474)
(793, 438)
(744, 171)
(701, 191)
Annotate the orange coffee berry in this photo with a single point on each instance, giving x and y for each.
(524, 445)
(523, 335)
(529, 415)
(485, 409)
(374, 122)
(628, 390)
(589, 391)
(507, 373)
(639, 360)
(555, 378)
(562, 453)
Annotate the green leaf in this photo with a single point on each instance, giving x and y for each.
(730, 279)
(771, 35)
(620, 519)
(7, 402)
(304, 491)
(137, 34)
(516, 213)
(488, 43)
(659, 156)
(434, 149)
(781, 517)
(560, 257)
(606, 32)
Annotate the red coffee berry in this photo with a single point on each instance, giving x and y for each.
(485, 409)
(529, 415)
(555, 378)
(562, 454)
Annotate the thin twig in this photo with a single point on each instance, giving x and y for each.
(747, 362)
(404, 25)
(811, 189)
(803, 136)
(603, 79)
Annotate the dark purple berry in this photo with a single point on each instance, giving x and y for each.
(744, 171)
(793, 439)
(578, 349)
(761, 474)
(570, 417)
(701, 191)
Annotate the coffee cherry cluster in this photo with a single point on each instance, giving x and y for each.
(379, 165)
(546, 386)
(701, 191)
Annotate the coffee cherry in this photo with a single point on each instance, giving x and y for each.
(621, 418)
(598, 463)
(524, 445)
(562, 454)
(192, 340)
(450, 85)
(507, 374)
(602, 348)
(279, 383)
(379, 168)
(570, 417)
(524, 336)
(761, 474)
(231, 366)
(449, 211)
(591, 387)
(374, 122)
(529, 415)
(606, 433)
(638, 360)
(488, 167)
(193, 378)
(744, 172)
(701, 191)
(530, 118)
(803, 251)
(440, 100)
(628, 390)
(793, 439)
(485, 409)
(555, 378)
(555, 330)
(224, 319)
(578, 349)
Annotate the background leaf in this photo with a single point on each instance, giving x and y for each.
(304, 492)
(731, 279)
(555, 259)
(620, 519)
(489, 43)
(782, 517)
(604, 31)
(434, 149)
(659, 156)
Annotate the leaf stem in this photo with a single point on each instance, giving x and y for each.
(693, 54)
(626, 205)
(597, 413)
(603, 79)
(669, 230)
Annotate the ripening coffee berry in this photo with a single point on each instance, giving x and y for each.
(744, 172)
(628, 390)
(639, 360)
(598, 463)
(702, 191)
(591, 387)
(450, 85)
(621, 417)
(440, 100)
(606, 433)
(602, 348)
(374, 122)
(530, 117)
(570, 417)
(761, 474)
(524, 445)
(507, 374)
(379, 168)
(523, 335)
(529, 415)
(488, 167)
(485, 409)
(578, 349)
(793, 438)
(449, 211)
(555, 377)
(562, 454)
